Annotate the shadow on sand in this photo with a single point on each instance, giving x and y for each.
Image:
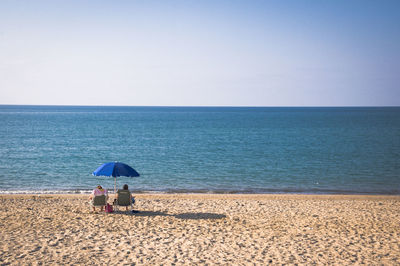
(199, 216)
(184, 216)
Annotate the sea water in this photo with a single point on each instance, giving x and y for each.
(54, 149)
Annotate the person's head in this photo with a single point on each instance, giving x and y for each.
(99, 187)
(125, 187)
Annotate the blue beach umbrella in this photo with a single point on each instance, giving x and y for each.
(115, 169)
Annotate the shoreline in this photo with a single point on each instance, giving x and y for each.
(202, 229)
(216, 195)
(111, 191)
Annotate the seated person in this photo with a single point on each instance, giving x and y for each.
(98, 191)
(124, 197)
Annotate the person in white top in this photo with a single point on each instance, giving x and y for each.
(98, 191)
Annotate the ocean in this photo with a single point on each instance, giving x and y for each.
(310, 150)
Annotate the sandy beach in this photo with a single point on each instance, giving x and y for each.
(202, 229)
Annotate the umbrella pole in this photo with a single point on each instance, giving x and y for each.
(115, 185)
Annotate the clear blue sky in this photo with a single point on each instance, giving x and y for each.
(202, 53)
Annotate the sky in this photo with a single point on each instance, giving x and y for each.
(200, 53)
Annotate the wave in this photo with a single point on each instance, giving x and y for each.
(214, 191)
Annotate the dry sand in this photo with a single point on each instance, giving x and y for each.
(202, 229)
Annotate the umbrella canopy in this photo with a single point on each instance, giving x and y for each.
(115, 169)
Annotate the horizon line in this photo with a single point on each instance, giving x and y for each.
(207, 106)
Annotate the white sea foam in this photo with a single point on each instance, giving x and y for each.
(45, 191)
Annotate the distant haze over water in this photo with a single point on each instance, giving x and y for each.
(54, 149)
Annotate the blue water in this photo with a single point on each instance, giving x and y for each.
(202, 149)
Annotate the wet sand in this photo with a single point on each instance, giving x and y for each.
(202, 229)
